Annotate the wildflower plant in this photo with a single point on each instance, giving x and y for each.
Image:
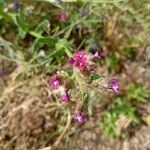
(67, 45)
(81, 63)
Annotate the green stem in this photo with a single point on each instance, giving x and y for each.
(75, 73)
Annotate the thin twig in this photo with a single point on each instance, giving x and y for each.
(54, 146)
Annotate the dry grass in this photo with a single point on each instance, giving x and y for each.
(30, 117)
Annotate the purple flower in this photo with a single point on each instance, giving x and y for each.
(65, 97)
(80, 118)
(63, 16)
(79, 60)
(16, 5)
(114, 85)
(54, 82)
(96, 54)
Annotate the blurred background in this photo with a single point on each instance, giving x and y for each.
(36, 37)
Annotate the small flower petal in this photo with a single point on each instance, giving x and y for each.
(54, 82)
(63, 16)
(114, 85)
(96, 54)
(80, 118)
(65, 97)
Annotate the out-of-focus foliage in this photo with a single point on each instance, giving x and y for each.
(137, 92)
(119, 108)
(123, 106)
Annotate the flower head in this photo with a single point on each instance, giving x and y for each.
(63, 16)
(80, 118)
(114, 85)
(54, 82)
(79, 60)
(65, 97)
(16, 5)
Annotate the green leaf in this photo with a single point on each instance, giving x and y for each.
(4, 14)
(113, 62)
(7, 47)
(21, 23)
(96, 77)
(137, 92)
(43, 40)
(22, 26)
(61, 44)
(40, 28)
(2, 1)
(129, 52)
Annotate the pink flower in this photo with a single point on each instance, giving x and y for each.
(96, 54)
(65, 97)
(63, 16)
(99, 54)
(54, 82)
(80, 118)
(114, 85)
(79, 60)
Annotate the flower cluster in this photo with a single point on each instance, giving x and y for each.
(79, 60)
(82, 61)
(56, 86)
